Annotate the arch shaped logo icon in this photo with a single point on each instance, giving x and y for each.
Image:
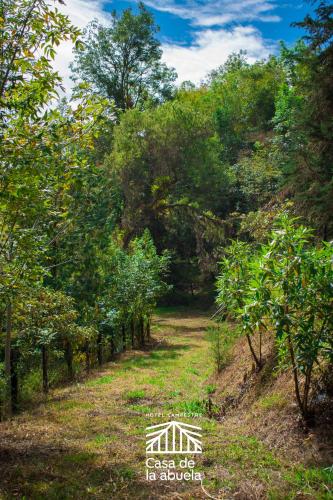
(173, 437)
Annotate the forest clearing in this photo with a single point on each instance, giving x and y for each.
(88, 440)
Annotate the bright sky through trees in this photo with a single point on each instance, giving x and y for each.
(197, 36)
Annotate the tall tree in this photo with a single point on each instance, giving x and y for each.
(37, 152)
(123, 61)
(304, 120)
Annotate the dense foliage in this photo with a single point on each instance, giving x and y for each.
(284, 289)
(56, 228)
(134, 188)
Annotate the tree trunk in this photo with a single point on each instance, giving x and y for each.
(295, 375)
(307, 386)
(112, 348)
(142, 332)
(148, 332)
(132, 333)
(255, 357)
(123, 330)
(69, 359)
(44, 369)
(87, 351)
(8, 339)
(99, 349)
(15, 354)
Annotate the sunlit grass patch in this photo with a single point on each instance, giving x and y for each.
(134, 396)
(249, 452)
(141, 408)
(105, 432)
(313, 482)
(105, 379)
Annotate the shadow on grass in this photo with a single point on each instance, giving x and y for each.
(160, 354)
(43, 471)
(183, 329)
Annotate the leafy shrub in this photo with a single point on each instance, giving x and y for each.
(284, 288)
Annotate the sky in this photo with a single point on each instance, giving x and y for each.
(197, 35)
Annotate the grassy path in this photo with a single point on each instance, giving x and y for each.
(88, 440)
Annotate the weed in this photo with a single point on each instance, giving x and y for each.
(133, 396)
(141, 408)
(193, 370)
(194, 406)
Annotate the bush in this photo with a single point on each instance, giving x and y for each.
(286, 288)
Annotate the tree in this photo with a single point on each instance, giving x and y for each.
(30, 29)
(45, 322)
(244, 102)
(123, 61)
(233, 286)
(303, 122)
(134, 281)
(39, 148)
(300, 276)
(285, 290)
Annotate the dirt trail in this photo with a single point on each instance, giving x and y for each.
(88, 440)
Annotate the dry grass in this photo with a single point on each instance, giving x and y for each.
(88, 440)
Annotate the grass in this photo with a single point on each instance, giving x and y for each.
(105, 379)
(90, 442)
(191, 407)
(133, 396)
(79, 458)
(210, 389)
(249, 452)
(141, 408)
(71, 405)
(271, 401)
(100, 439)
(312, 482)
